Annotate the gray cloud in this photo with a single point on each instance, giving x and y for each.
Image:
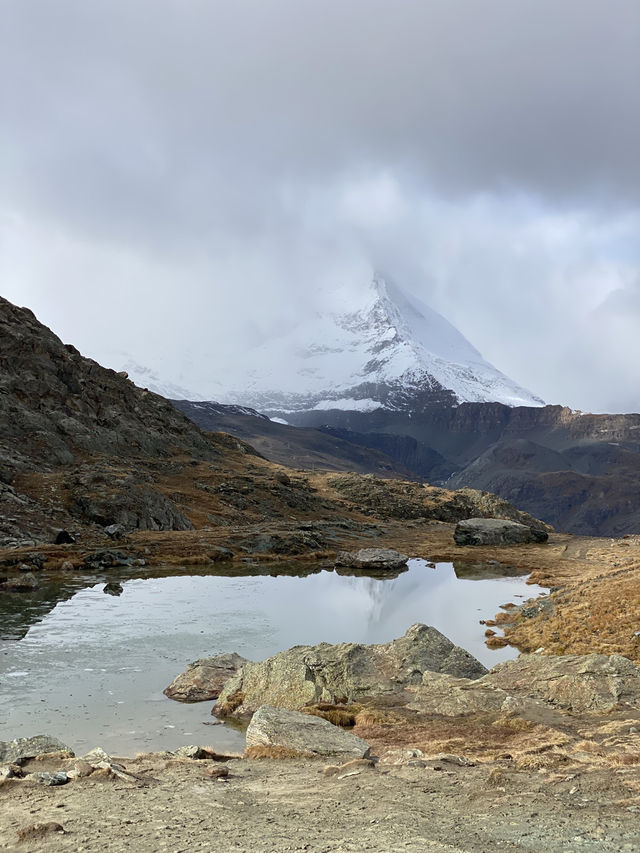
(171, 167)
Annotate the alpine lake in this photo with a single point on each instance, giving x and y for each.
(86, 657)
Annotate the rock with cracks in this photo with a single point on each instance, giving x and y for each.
(14, 751)
(204, 679)
(304, 733)
(371, 558)
(577, 683)
(496, 531)
(343, 673)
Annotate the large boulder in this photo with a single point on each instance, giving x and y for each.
(303, 732)
(496, 531)
(371, 558)
(204, 679)
(346, 672)
(23, 748)
(578, 683)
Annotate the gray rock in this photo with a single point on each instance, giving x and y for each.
(51, 779)
(204, 679)
(26, 582)
(191, 751)
(8, 771)
(96, 756)
(29, 747)
(578, 683)
(371, 558)
(303, 732)
(454, 697)
(115, 531)
(496, 531)
(347, 672)
(63, 537)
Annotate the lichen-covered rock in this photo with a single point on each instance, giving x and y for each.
(304, 733)
(204, 679)
(371, 558)
(29, 747)
(496, 531)
(453, 697)
(346, 672)
(578, 683)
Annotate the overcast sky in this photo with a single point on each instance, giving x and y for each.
(180, 173)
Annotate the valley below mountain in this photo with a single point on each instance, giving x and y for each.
(104, 481)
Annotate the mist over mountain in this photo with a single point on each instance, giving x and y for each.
(391, 351)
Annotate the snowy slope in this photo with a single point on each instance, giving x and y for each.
(380, 356)
(392, 352)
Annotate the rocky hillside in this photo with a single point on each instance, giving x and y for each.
(83, 450)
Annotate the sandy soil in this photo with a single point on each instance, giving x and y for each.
(290, 805)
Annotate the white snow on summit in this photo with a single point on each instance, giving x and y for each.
(388, 350)
(367, 359)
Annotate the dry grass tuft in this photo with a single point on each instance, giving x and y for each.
(589, 746)
(514, 724)
(277, 752)
(338, 715)
(354, 764)
(496, 777)
(625, 758)
(37, 831)
(233, 702)
(540, 760)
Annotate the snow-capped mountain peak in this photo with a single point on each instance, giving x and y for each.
(388, 351)
(394, 352)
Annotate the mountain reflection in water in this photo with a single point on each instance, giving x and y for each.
(92, 670)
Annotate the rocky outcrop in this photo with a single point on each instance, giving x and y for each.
(578, 683)
(23, 748)
(402, 500)
(347, 672)
(303, 733)
(535, 686)
(496, 531)
(128, 504)
(204, 679)
(371, 558)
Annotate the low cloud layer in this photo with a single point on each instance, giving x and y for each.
(197, 174)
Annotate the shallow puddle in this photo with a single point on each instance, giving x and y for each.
(91, 670)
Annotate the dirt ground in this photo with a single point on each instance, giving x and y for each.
(277, 806)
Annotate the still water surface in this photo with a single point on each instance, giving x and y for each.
(92, 670)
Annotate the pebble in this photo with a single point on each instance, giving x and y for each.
(50, 779)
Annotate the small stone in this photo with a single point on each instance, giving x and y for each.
(51, 779)
(190, 751)
(115, 531)
(63, 537)
(95, 756)
(460, 760)
(218, 771)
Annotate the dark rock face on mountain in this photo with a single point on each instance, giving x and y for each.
(293, 446)
(578, 472)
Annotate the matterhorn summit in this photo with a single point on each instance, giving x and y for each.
(392, 353)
